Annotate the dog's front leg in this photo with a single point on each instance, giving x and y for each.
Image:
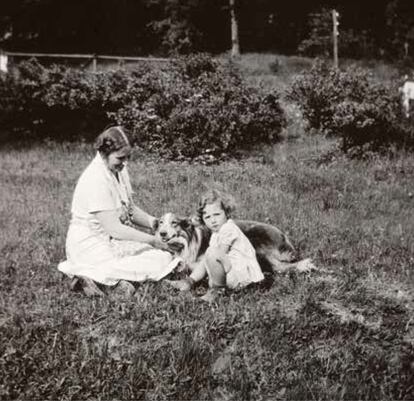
(193, 265)
(184, 267)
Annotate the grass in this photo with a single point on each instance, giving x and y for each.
(271, 70)
(278, 71)
(344, 333)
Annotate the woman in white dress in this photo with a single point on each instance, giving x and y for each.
(100, 246)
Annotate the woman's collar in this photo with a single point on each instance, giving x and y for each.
(101, 161)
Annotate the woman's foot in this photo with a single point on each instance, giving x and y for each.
(124, 288)
(75, 284)
(90, 288)
(182, 285)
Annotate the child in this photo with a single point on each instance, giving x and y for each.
(230, 260)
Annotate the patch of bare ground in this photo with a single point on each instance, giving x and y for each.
(399, 293)
(350, 314)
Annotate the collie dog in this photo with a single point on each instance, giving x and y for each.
(274, 251)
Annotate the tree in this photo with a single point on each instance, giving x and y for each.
(168, 27)
(235, 44)
(92, 26)
(173, 26)
(320, 36)
(400, 22)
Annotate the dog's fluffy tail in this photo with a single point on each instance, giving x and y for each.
(302, 266)
(305, 266)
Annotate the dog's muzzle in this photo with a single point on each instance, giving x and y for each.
(165, 237)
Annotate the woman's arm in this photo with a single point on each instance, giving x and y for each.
(109, 220)
(142, 218)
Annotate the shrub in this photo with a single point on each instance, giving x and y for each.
(196, 65)
(20, 96)
(350, 105)
(192, 107)
(203, 108)
(68, 102)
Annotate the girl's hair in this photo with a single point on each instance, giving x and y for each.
(213, 195)
(111, 140)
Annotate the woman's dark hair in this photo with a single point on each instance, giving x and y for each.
(111, 140)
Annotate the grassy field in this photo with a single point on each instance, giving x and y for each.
(278, 71)
(344, 333)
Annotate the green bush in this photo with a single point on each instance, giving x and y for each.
(20, 96)
(67, 102)
(192, 107)
(349, 104)
(202, 108)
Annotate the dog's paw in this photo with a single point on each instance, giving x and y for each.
(306, 266)
(181, 285)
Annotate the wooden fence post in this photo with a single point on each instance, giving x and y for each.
(335, 34)
(94, 63)
(3, 61)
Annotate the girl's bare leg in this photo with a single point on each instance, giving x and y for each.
(217, 265)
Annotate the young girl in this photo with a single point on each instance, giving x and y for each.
(230, 260)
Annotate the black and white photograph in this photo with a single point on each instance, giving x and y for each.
(207, 200)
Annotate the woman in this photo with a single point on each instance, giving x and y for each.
(100, 246)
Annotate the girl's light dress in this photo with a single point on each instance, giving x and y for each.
(90, 251)
(245, 268)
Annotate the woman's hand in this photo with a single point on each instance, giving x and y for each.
(154, 222)
(172, 246)
(176, 244)
(163, 246)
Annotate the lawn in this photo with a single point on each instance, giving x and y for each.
(345, 332)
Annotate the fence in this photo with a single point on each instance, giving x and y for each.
(89, 60)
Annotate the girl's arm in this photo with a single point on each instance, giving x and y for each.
(109, 220)
(224, 249)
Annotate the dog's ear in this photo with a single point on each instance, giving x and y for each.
(185, 223)
(195, 220)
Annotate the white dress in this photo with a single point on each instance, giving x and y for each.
(90, 251)
(245, 268)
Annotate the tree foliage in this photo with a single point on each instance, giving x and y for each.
(164, 27)
(320, 34)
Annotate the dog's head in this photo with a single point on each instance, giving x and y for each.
(186, 236)
(170, 226)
